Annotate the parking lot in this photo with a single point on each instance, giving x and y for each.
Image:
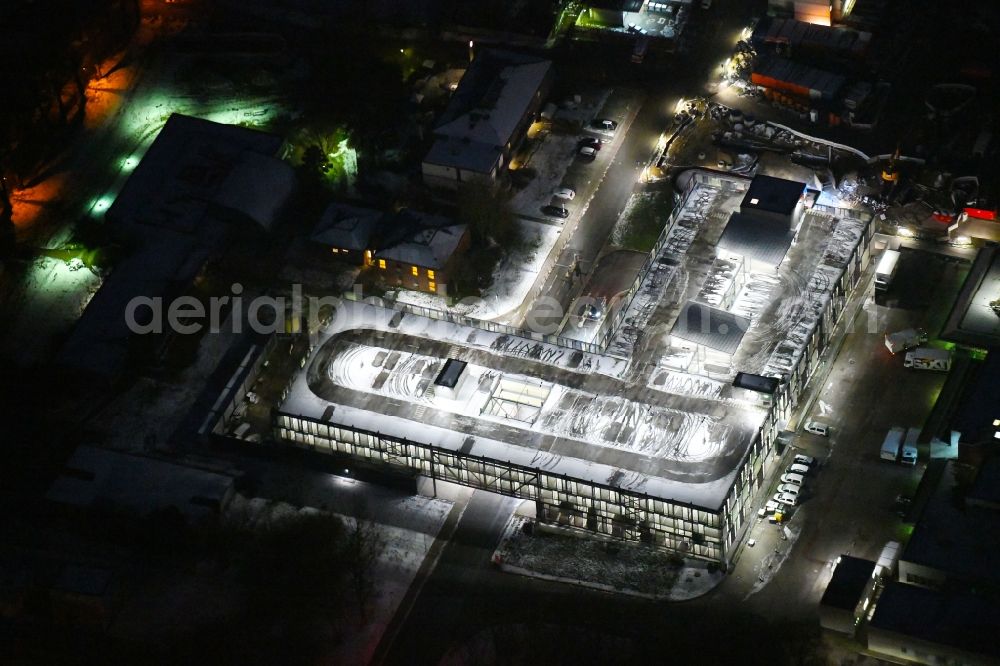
(848, 500)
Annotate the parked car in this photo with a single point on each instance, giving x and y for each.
(556, 211)
(803, 459)
(817, 428)
(785, 498)
(587, 153)
(603, 124)
(565, 193)
(591, 141)
(790, 488)
(791, 477)
(796, 468)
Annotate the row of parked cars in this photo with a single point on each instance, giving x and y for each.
(791, 486)
(587, 149)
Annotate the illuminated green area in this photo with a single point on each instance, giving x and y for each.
(327, 153)
(903, 532)
(567, 17)
(590, 19)
(932, 397)
(976, 353)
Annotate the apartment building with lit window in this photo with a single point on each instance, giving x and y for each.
(418, 251)
(409, 249)
(497, 99)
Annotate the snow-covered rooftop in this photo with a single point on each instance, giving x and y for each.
(429, 247)
(194, 163)
(561, 412)
(486, 110)
(347, 227)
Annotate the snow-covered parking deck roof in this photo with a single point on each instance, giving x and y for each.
(593, 425)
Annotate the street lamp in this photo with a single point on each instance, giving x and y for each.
(471, 44)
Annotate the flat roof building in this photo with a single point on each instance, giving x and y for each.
(773, 198)
(955, 540)
(841, 605)
(95, 478)
(674, 459)
(923, 626)
(973, 321)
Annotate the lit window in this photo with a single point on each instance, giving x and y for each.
(430, 276)
(381, 263)
(754, 202)
(432, 286)
(414, 270)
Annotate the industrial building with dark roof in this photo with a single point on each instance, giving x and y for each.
(947, 627)
(768, 194)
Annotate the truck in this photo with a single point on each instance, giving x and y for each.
(892, 443)
(905, 340)
(909, 453)
(885, 270)
(928, 358)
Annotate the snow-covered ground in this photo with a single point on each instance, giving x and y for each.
(144, 417)
(125, 112)
(398, 558)
(511, 282)
(50, 300)
(603, 565)
(769, 565)
(551, 157)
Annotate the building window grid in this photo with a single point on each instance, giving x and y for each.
(652, 514)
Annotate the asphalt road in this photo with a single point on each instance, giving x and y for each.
(713, 36)
(462, 582)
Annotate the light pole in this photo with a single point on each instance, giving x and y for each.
(471, 54)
